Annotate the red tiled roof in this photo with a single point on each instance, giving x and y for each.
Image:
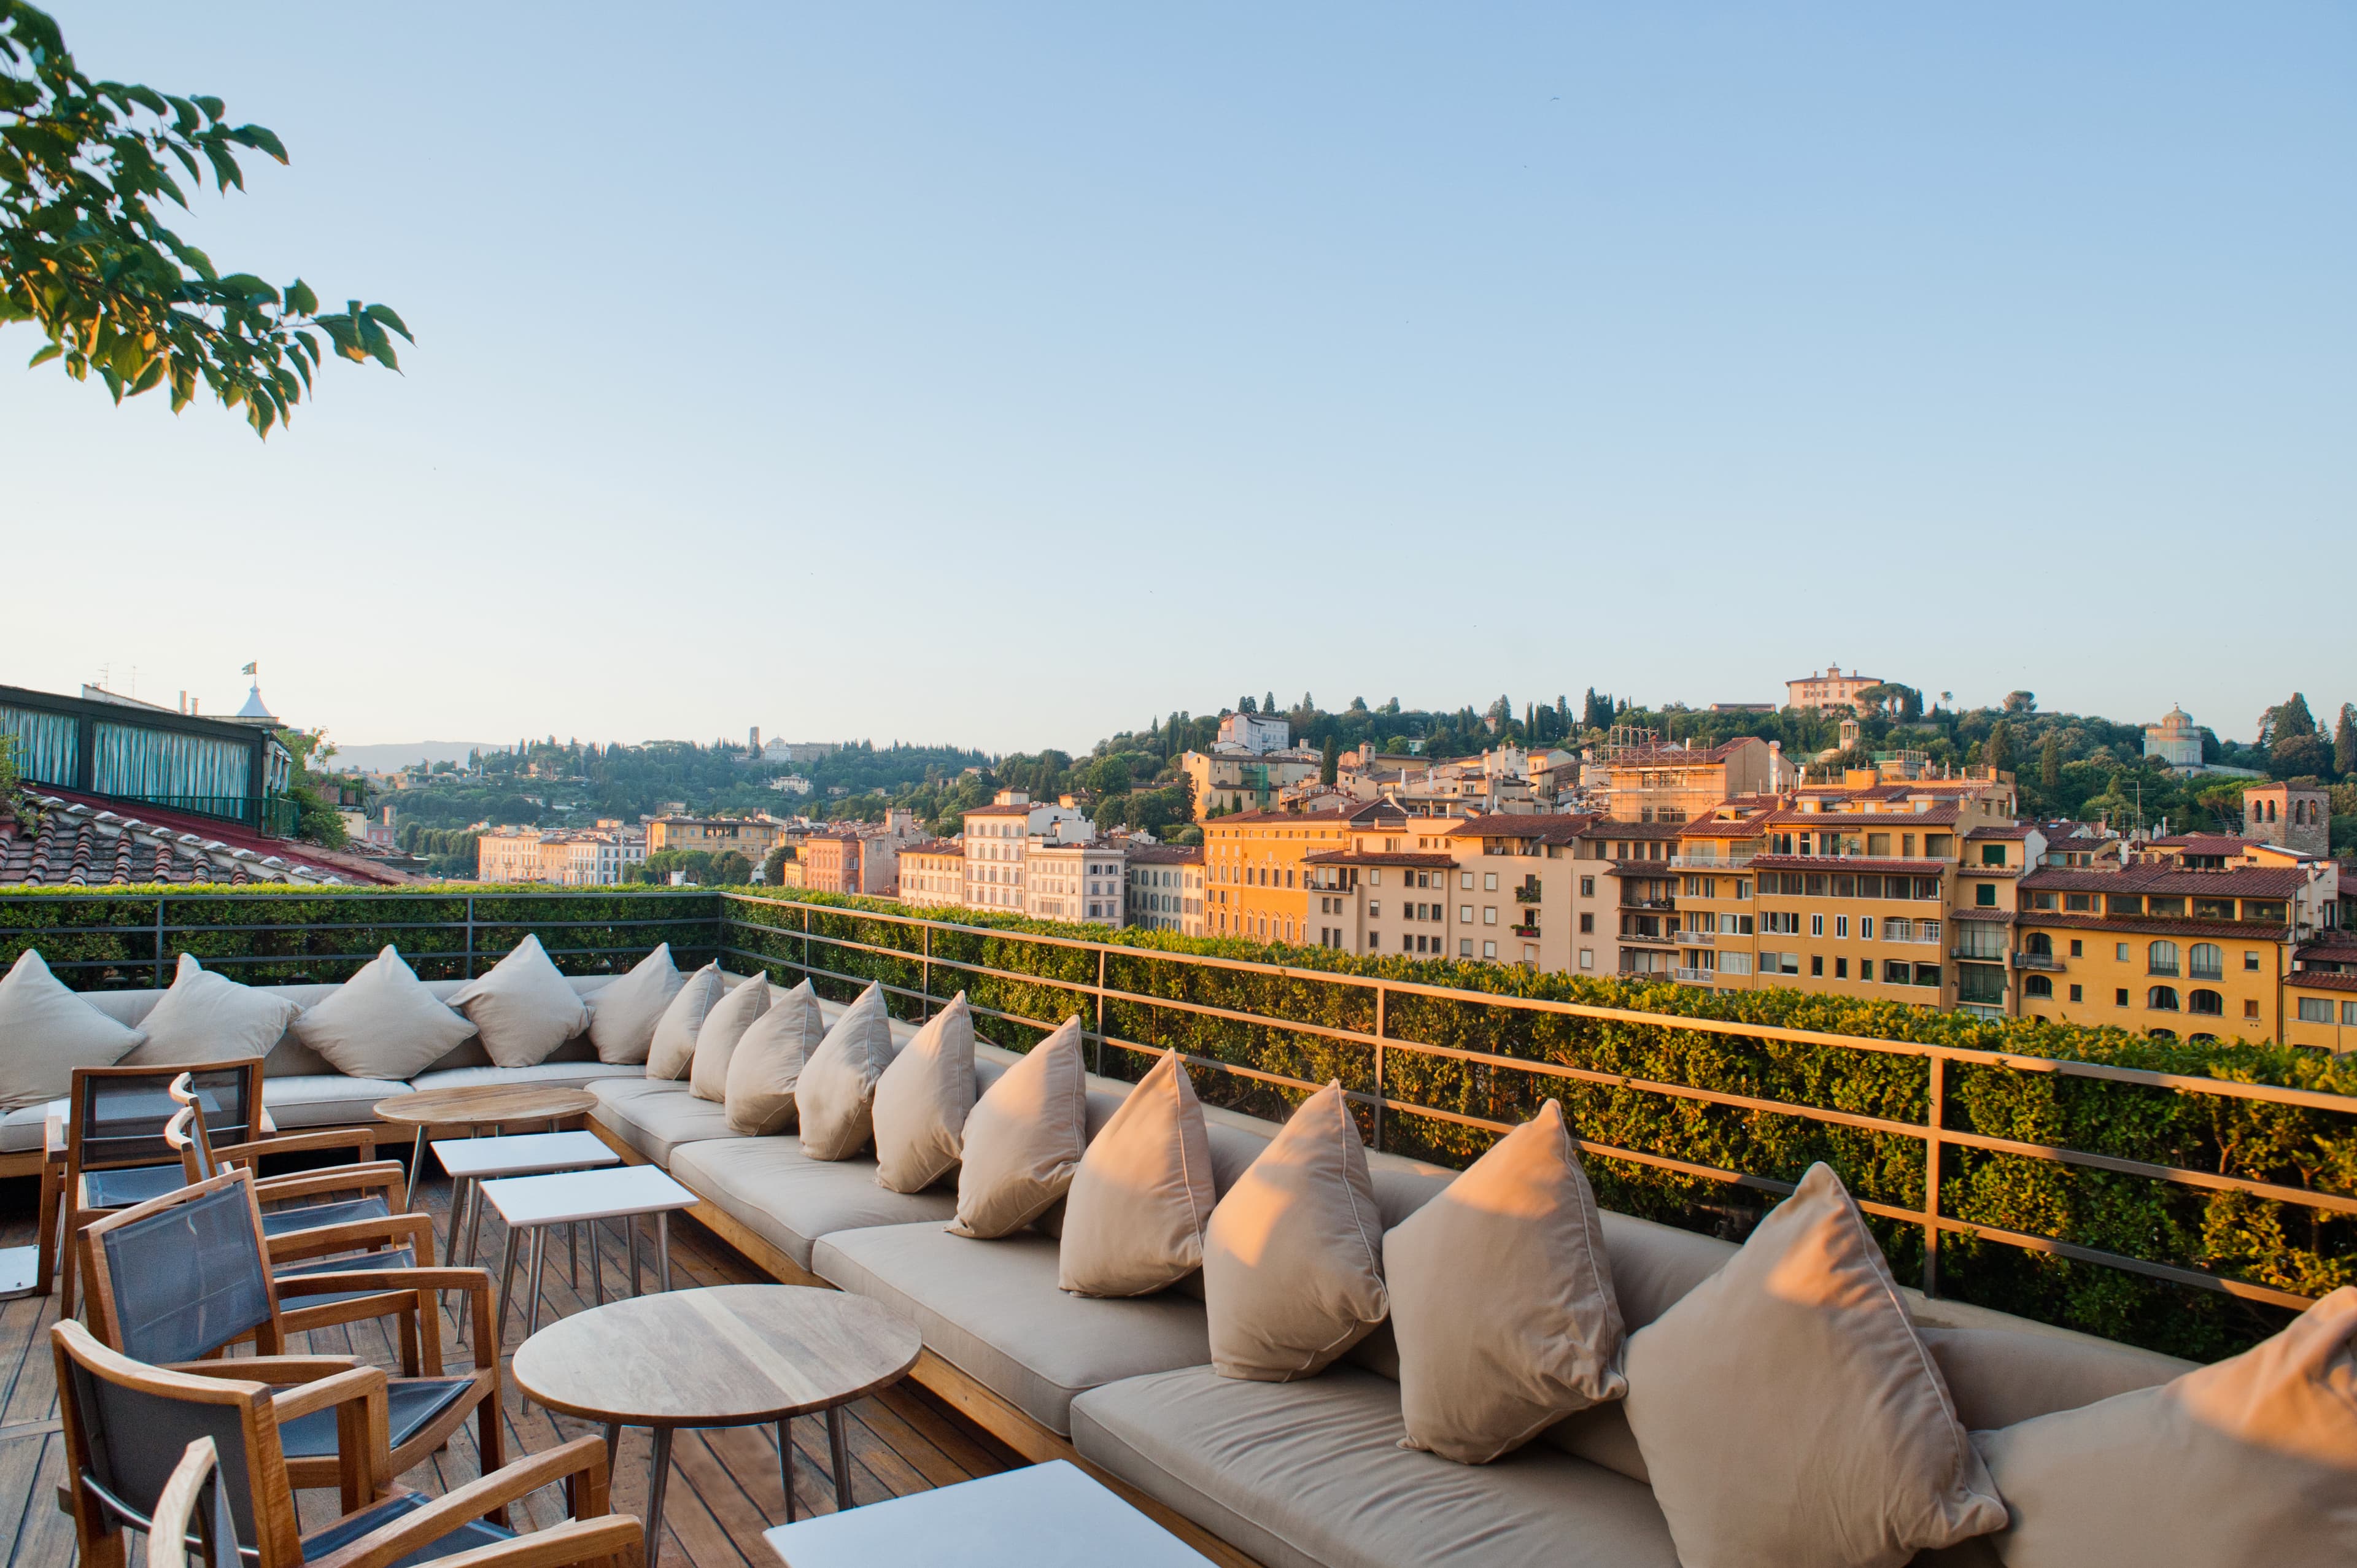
(1255, 819)
(1166, 853)
(2206, 843)
(2012, 831)
(1973, 912)
(1379, 857)
(1007, 811)
(1550, 828)
(1614, 828)
(2324, 982)
(75, 849)
(1844, 821)
(1713, 828)
(2233, 882)
(934, 846)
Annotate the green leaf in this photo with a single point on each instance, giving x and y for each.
(185, 119)
(46, 354)
(225, 167)
(300, 300)
(148, 377)
(149, 98)
(253, 288)
(213, 107)
(383, 312)
(261, 137)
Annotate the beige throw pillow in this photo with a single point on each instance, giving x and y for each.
(836, 1095)
(2250, 1462)
(208, 1017)
(1135, 1215)
(382, 1022)
(1293, 1272)
(1025, 1138)
(1501, 1299)
(759, 1094)
(45, 1032)
(673, 1046)
(623, 1014)
(1788, 1415)
(522, 1007)
(717, 1041)
(922, 1101)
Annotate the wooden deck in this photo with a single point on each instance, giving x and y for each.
(724, 1485)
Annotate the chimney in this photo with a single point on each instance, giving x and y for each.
(184, 701)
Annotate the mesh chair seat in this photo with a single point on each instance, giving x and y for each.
(285, 1221)
(124, 1189)
(394, 1258)
(410, 1404)
(467, 1537)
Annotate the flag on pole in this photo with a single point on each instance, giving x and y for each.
(250, 669)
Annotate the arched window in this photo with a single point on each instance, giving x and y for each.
(2161, 999)
(2039, 943)
(2198, 1038)
(2207, 962)
(2162, 1034)
(2207, 1001)
(2161, 958)
(2037, 985)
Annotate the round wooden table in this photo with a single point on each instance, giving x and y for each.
(726, 1356)
(490, 1105)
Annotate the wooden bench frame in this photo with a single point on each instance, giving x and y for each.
(965, 1394)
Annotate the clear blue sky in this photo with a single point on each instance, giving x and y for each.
(1004, 374)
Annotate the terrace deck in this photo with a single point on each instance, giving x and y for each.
(724, 1486)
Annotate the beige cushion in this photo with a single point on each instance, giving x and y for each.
(623, 1015)
(2250, 1462)
(2000, 1376)
(382, 1022)
(1293, 1269)
(655, 1115)
(1788, 1415)
(1312, 1475)
(1501, 1299)
(716, 1041)
(922, 1099)
(673, 1047)
(759, 1091)
(47, 1031)
(1135, 1215)
(835, 1096)
(994, 1313)
(208, 1017)
(1025, 1138)
(790, 1200)
(523, 1009)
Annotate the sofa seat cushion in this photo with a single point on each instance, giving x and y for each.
(1310, 1475)
(325, 1099)
(789, 1200)
(655, 1115)
(20, 1130)
(992, 1310)
(545, 1074)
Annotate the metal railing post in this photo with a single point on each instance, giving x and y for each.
(470, 937)
(806, 915)
(1101, 980)
(925, 1005)
(1933, 1144)
(1382, 1012)
(159, 941)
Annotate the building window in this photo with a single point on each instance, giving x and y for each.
(1464, 914)
(2078, 994)
(2251, 962)
(1817, 964)
(2077, 948)
(1816, 925)
(2120, 996)
(1841, 968)
(1489, 914)
(2038, 986)
(1488, 949)
(2349, 1014)
(1586, 924)
(1841, 926)
(2206, 960)
(1865, 927)
(1587, 958)
(2249, 1007)
(2315, 1010)
(1588, 887)
(1897, 973)
(2161, 958)
(2161, 999)
(1464, 946)
(1985, 895)
(2205, 1002)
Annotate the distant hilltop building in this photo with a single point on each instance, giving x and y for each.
(2297, 817)
(785, 752)
(1828, 688)
(1256, 733)
(2175, 740)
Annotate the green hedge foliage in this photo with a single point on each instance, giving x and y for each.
(2286, 1246)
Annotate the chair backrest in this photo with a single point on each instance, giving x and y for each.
(129, 1426)
(185, 1134)
(193, 1515)
(182, 1275)
(116, 1114)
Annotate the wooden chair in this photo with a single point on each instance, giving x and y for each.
(180, 1277)
(144, 1445)
(115, 1153)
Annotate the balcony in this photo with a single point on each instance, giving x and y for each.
(1649, 903)
(1527, 895)
(1699, 938)
(1650, 939)
(1709, 861)
(2045, 960)
(1525, 932)
(1693, 976)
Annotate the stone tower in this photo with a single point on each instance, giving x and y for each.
(2298, 816)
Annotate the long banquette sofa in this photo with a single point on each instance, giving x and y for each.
(1296, 1473)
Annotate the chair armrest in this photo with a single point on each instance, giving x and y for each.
(321, 1393)
(362, 1141)
(565, 1545)
(384, 1174)
(363, 1427)
(271, 1368)
(476, 1283)
(319, 1241)
(381, 1548)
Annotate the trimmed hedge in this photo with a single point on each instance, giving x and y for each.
(2286, 1246)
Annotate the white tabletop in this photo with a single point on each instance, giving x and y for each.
(524, 1153)
(585, 1195)
(1043, 1516)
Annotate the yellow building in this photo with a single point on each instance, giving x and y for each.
(1242, 781)
(1828, 688)
(2162, 949)
(1676, 783)
(933, 873)
(1255, 883)
(2321, 994)
(1531, 889)
(1165, 888)
(752, 837)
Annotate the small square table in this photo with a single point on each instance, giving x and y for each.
(1043, 1516)
(533, 1203)
(472, 1161)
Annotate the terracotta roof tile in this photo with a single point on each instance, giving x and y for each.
(2233, 882)
(2220, 930)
